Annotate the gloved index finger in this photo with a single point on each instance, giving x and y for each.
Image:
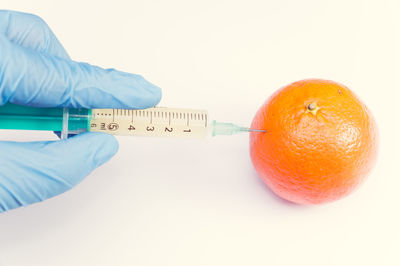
(30, 31)
(37, 79)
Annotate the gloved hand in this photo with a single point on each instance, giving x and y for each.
(35, 70)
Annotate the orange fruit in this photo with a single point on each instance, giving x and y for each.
(320, 142)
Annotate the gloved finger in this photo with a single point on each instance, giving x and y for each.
(30, 31)
(32, 172)
(37, 79)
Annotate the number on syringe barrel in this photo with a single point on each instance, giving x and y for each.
(167, 129)
(131, 127)
(150, 128)
(113, 126)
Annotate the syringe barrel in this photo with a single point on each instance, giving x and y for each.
(155, 122)
(17, 117)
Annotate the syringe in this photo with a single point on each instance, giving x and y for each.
(156, 121)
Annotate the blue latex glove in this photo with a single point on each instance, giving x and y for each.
(35, 70)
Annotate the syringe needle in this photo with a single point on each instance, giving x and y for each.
(230, 129)
(255, 130)
(247, 129)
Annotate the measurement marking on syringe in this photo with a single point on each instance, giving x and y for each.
(169, 119)
(151, 117)
(113, 115)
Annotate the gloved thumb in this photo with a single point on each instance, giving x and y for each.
(34, 171)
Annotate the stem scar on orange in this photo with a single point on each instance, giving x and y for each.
(320, 142)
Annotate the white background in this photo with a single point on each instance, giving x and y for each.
(184, 202)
